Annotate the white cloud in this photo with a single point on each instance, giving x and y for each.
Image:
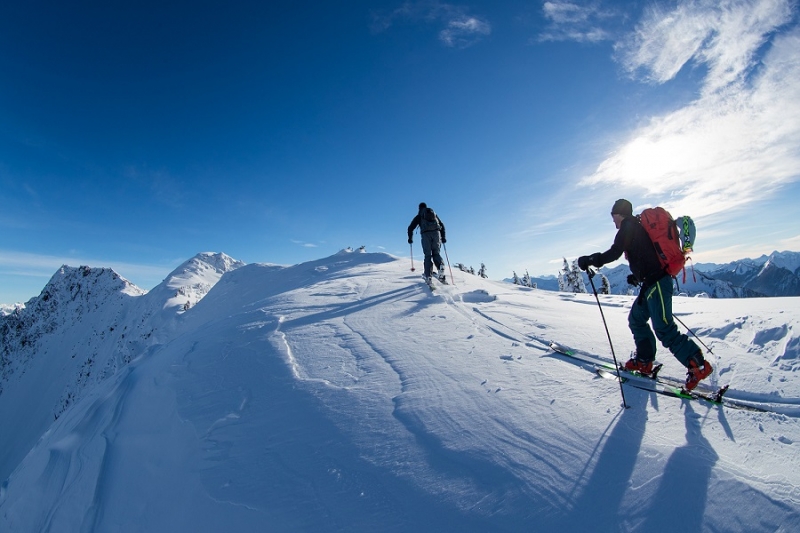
(739, 142)
(464, 31)
(724, 35)
(569, 21)
(304, 244)
(792, 243)
(565, 12)
(460, 29)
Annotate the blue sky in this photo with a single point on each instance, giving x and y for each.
(135, 135)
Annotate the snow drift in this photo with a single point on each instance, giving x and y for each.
(342, 395)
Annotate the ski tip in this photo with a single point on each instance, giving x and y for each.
(560, 348)
(610, 374)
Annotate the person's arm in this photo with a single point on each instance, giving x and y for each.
(612, 254)
(411, 228)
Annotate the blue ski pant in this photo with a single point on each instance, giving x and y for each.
(431, 244)
(654, 304)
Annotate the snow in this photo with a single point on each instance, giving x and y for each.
(190, 282)
(342, 395)
(788, 260)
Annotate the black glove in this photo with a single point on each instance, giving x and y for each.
(632, 280)
(444, 240)
(410, 240)
(585, 261)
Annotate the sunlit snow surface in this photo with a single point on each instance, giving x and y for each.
(344, 395)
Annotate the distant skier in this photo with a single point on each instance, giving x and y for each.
(654, 302)
(431, 230)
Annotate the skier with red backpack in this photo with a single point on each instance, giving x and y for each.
(652, 270)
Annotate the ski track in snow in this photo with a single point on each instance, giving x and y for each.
(343, 395)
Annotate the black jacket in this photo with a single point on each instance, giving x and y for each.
(415, 222)
(633, 241)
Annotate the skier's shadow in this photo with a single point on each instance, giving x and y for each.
(601, 497)
(685, 480)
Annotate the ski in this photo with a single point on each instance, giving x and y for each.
(429, 283)
(580, 356)
(716, 397)
(659, 384)
(599, 362)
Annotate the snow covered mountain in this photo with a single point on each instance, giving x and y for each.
(343, 395)
(777, 274)
(697, 283)
(192, 280)
(85, 326)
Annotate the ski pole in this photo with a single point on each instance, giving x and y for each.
(591, 273)
(448, 265)
(411, 246)
(693, 334)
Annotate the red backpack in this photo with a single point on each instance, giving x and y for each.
(663, 231)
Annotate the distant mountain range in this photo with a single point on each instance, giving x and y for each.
(777, 274)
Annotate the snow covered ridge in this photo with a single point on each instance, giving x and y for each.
(6, 309)
(89, 323)
(107, 301)
(343, 395)
(71, 294)
(188, 283)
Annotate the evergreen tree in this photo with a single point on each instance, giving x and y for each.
(562, 277)
(578, 285)
(570, 279)
(516, 279)
(605, 285)
(482, 271)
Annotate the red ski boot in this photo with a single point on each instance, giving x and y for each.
(637, 365)
(697, 373)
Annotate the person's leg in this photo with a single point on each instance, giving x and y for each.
(643, 336)
(426, 241)
(436, 246)
(659, 302)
